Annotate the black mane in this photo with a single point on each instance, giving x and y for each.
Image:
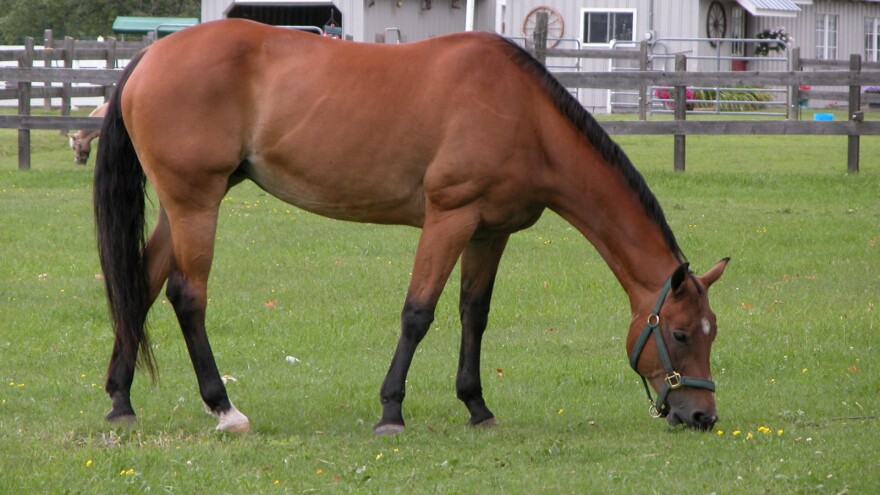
(569, 106)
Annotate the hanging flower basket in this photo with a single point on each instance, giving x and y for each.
(778, 41)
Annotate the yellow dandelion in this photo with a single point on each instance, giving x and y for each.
(736, 432)
(779, 432)
(89, 463)
(560, 411)
(719, 432)
(319, 472)
(804, 370)
(749, 436)
(277, 482)
(378, 456)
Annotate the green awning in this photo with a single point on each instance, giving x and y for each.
(143, 25)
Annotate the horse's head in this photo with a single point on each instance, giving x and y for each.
(669, 345)
(81, 149)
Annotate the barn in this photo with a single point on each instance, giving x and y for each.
(823, 29)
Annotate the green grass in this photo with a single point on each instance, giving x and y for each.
(796, 352)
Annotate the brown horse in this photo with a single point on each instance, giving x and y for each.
(81, 141)
(465, 136)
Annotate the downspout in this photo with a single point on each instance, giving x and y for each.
(469, 16)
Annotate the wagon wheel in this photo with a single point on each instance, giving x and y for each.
(716, 22)
(555, 25)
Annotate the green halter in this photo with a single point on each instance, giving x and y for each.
(673, 379)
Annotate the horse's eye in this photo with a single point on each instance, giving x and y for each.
(680, 337)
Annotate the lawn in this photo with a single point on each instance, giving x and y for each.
(304, 315)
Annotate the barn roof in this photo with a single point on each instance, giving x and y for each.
(144, 25)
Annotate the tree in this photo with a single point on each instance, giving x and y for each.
(81, 19)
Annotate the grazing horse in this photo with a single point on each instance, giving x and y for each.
(465, 136)
(81, 141)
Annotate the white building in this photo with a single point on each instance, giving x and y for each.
(828, 29)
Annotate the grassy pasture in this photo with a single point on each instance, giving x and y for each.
(796, 361)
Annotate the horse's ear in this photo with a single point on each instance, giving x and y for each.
(714, 273)
(680, 277)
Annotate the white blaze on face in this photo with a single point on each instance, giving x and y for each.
(707, 327)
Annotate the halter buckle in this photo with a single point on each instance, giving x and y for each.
(673, 380)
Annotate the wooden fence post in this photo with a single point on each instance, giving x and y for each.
(643, 87)
(794, 93)
(24, 106)
(680, 115)
(47, 62)
(540, 36)
(855, 115)
(66, 87)
(112, 61)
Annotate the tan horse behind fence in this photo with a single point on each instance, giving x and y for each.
(465, 136)
(81, 141)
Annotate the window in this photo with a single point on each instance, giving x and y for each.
(826, 36)
(872, 39)
(737, 28)
(600, 26)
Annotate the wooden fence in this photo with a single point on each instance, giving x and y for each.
(75, 83)
(852, 75)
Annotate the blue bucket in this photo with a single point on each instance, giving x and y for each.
(823, 116)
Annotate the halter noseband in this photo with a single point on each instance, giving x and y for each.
(673, 380)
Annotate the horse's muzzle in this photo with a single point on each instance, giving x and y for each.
(700, 420)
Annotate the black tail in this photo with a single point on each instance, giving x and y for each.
(119, 216)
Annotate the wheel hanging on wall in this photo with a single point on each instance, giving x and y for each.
(555, 25)
(716, 22)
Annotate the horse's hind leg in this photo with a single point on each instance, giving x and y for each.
(479, 264)
(157, 256)
(193, 228)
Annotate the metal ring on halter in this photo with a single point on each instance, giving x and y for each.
(653, 319)
(653, 411)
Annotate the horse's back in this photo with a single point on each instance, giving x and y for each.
(348, 130)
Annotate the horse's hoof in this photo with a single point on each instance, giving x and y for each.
(387, 430)
(120, 419)
(239, 429)
(487, 423)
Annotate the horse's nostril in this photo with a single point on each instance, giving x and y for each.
(703, 420)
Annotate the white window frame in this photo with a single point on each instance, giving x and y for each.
(872, 39)
(598, 10)
(824, 49)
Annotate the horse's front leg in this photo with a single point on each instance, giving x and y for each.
(479, 264)
(441, 243)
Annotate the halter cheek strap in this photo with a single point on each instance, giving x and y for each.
(673, 380)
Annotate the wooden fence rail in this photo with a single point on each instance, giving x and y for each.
(851, 76)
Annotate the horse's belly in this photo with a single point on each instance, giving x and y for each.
(334, 192)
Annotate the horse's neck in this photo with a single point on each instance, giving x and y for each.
(86, 137)
(597, 200)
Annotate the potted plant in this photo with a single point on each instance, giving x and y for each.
(803, 101)
(667, 96)
(777, 41)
